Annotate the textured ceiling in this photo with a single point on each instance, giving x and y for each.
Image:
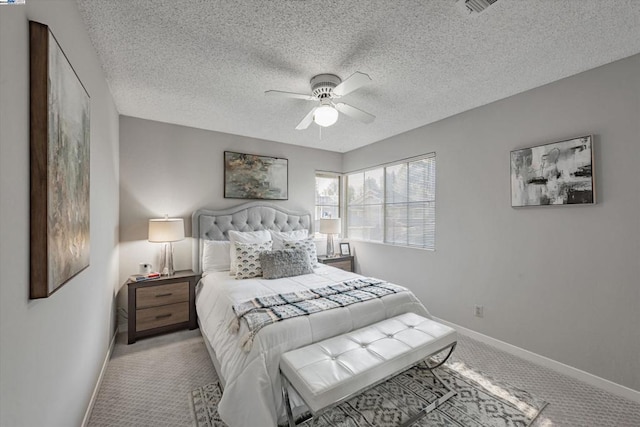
(206, 63)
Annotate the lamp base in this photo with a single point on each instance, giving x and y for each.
(166, 260)
(331, 253)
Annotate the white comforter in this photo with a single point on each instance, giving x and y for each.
(252, 394)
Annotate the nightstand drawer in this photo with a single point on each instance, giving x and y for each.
(342, 265)
(155, 317)
(162, 295)
(161, 305)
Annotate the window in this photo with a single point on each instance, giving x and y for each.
(327, 197)
(394, 204)
(365, 205)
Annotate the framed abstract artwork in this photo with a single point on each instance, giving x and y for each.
(59, 163)
(248, 176)
(559, 173)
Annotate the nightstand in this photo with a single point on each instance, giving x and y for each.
(343, 262)
(160, 305)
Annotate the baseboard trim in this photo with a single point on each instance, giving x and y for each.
(96, 389)
(570, 371)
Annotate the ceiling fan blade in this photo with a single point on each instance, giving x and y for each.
(304, 123)
(355, 113)
(290, 95)
(355, 81)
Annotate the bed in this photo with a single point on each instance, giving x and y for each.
(249, 373)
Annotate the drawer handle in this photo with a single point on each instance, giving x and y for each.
(164, 295)
(163, 316)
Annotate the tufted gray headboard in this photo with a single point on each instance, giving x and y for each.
(215, 225)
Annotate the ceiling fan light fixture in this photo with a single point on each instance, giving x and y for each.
(325, 115)
(324, 89)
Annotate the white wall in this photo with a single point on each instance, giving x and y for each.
(563, 282)
(166, 168)
(52, 350)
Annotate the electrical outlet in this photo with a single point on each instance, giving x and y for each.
(478, 310)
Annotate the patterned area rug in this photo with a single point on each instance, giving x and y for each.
(481, 401)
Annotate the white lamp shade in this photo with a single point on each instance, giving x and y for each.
(166, 230)
(325, 115)
(330, 226)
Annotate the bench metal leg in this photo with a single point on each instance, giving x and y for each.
(433, 405)
(437, 365)
(287, 402)
(439, 401)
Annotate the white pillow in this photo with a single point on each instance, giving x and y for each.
(248, 259)
(309, 245)
(216, 256)
(245, 237)
(279, 237)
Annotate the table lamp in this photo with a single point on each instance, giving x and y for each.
(166, 230)
(330, 227)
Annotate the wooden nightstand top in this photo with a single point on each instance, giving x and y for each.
(344, 262)
(323, 258)
(181, 274)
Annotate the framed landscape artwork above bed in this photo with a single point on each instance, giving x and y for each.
(249, 176)
(560, 173)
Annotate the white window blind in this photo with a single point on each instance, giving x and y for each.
(394, 204)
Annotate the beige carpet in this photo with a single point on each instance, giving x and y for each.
(148, 384)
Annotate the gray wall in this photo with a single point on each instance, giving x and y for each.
(52, 350)
(166, 168)
(563, 282)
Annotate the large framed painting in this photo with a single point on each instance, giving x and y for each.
(248, 176)
(59, 156)
(560, 173)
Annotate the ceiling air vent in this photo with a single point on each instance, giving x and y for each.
(475, 6)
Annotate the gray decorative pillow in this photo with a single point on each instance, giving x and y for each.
(309, 245)
(248, 259)
(285, 263)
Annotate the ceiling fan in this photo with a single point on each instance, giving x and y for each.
(325, 88)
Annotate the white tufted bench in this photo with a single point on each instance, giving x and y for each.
(330, 372)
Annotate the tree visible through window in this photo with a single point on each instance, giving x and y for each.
(327, 197)
(365, 205)
(394, 204)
